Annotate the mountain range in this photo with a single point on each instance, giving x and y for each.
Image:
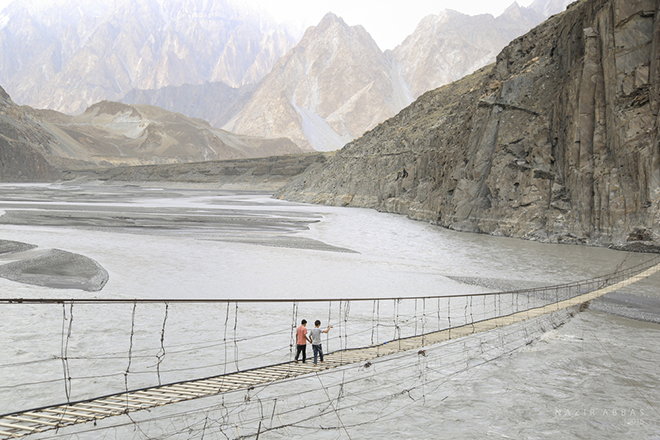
(233, 67)
(72, 54)
(336, 83)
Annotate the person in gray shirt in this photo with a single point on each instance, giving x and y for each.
(315, 336)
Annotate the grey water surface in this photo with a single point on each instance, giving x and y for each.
(596, 376)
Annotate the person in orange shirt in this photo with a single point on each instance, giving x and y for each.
(301, 341)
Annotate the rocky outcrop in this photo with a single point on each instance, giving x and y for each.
(548, 8)
(558, 141)
(23, 146)
(268, 173)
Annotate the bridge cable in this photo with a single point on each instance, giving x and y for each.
(161, 352)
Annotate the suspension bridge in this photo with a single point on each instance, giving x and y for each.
(416, 327)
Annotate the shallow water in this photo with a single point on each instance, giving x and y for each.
(170, 243)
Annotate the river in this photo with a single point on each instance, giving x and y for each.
(595, 376)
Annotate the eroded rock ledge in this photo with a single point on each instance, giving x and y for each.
(266, 173)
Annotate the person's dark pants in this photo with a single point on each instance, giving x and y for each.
(318, 352)
(301, 349)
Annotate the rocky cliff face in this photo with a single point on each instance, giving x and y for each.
(558, 141)
(23, 144)
(549, 7)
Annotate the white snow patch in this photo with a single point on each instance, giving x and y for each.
(401, 97)
(319, 134)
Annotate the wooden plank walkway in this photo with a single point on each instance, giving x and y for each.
(36, 421)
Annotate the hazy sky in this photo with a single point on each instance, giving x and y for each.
(388, 21)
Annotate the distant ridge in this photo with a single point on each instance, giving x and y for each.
(214, 102)
(39, 145)
(446, 47)
(328, 90)
(112, 133)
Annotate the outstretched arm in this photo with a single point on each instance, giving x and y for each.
(328, 329)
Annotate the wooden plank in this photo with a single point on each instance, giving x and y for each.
(205, 390)
(189, 390)
(349, 355)
(19, 427)
(245, 380)
(271, 372)
(133, 399)
(230, 386)
(93, 410)
(241, 377)
(25, 419)
(260, 377)
(179, 391)
(234, 382)
(298, 367)
(231, 379)
(156, 394)
(160, 393)
(215, 383)
(46, 416)
(198, 385)
(69, 413)
(283, 372)
(123, 405)
(265, 374)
